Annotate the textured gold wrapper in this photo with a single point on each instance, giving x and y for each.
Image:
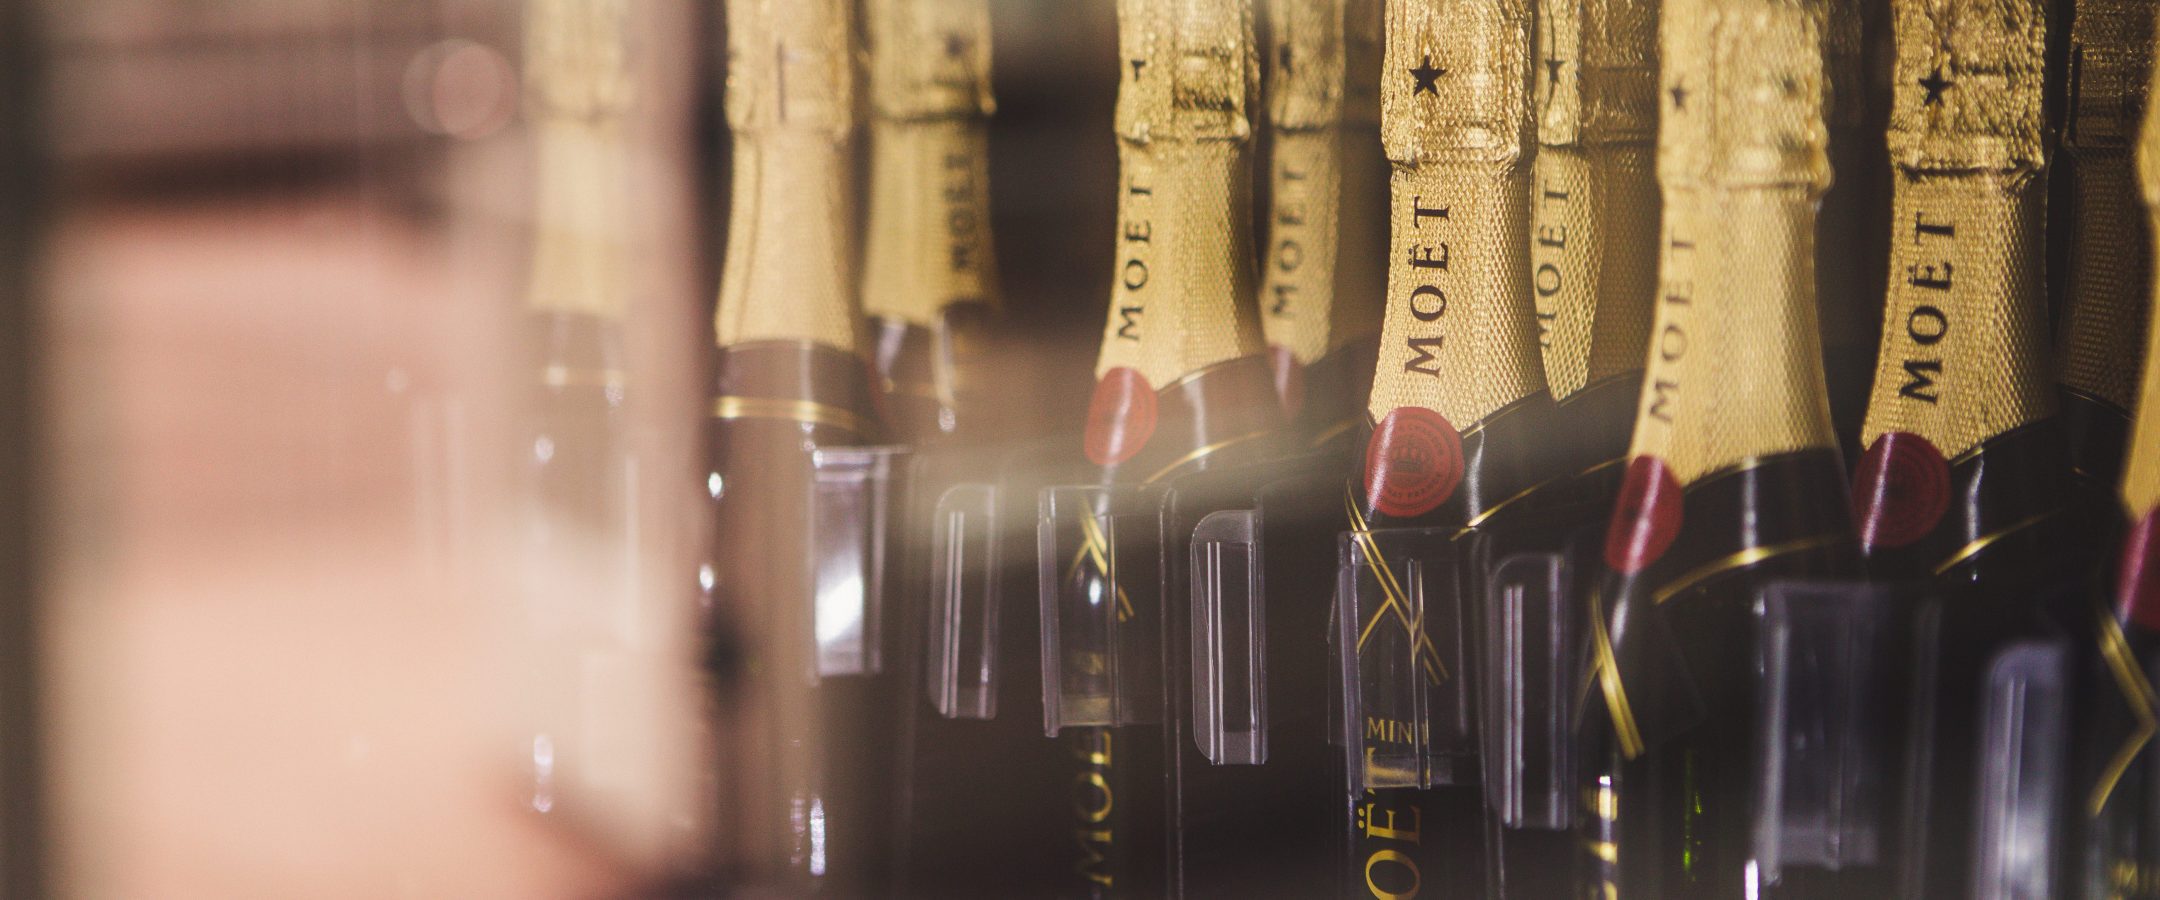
(1323, 88)
(791, 255)
(1735, 361)
(1594, 201)
(2103, 321)
(1964, 339)
(1182, 293)
(578, 93)
(929, 244)
(2141, 468)
(1460, 333)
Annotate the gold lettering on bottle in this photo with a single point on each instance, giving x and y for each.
(1093, 799)
(1391, 873)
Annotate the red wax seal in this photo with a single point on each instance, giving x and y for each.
(1121, 417)
(1901, 490)
(1289, 379)
(2138, 590)
(1647, 517)
(1413, 462)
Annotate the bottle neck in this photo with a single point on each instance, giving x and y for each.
(1179, 375)
(2104, 316)
(1594, 202)
(792, 251)
(929, 242)
(1735, 363)
(929, 220)
(1320, 107)
(578, 97)
(1963, 351)
(1181, 297)
(1459, 334)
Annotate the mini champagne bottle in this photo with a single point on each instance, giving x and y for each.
(793, 563)
(581, 478)
(1735, 477)
(1959, 495)
(1458, 418)
(1182, 386)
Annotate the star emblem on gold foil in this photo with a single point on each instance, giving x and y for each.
(1934, 84)
(1428, 78)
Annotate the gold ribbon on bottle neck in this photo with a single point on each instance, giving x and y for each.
(790, 270)
(1459, 334)
(929, 243)
(1735, 364)
(1181, 298)
(1594, 202)
(578, 95)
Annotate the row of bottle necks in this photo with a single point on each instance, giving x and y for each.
(982, 669)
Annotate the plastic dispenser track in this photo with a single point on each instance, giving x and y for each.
(1408, 712)
(1826, 695)
(1099, 558)
(855, 492)
(961, 676)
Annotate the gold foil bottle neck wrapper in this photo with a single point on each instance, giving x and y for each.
(1307, 85)
(929, 59)
(2111, 51)
(578, 92)
(1455, 83)
(1964, 352)
(1593, 258)
(1968, 84)
(2100, 335)
(581, 220)
(2104, 317)
(1311, 303)
(1737, 375)
(790, 272)
(1596, 72)
(1743, 85)
(1461, 338)
(791, 66)
(1964, 339)
(2141, 468)
(1181, 297)
(928, 244)
(577, 62)
(1734, 367)
(1190, 71)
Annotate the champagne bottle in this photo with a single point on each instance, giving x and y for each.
(1594, 220)
(1182, 382)
(1595, 242)
(580, 476)
(2105, 304)
(2117, 845)
(929, 279)
(807, 775)
(1735, 477)
(1960, 489)
(1459, 406)
(1320, 298)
